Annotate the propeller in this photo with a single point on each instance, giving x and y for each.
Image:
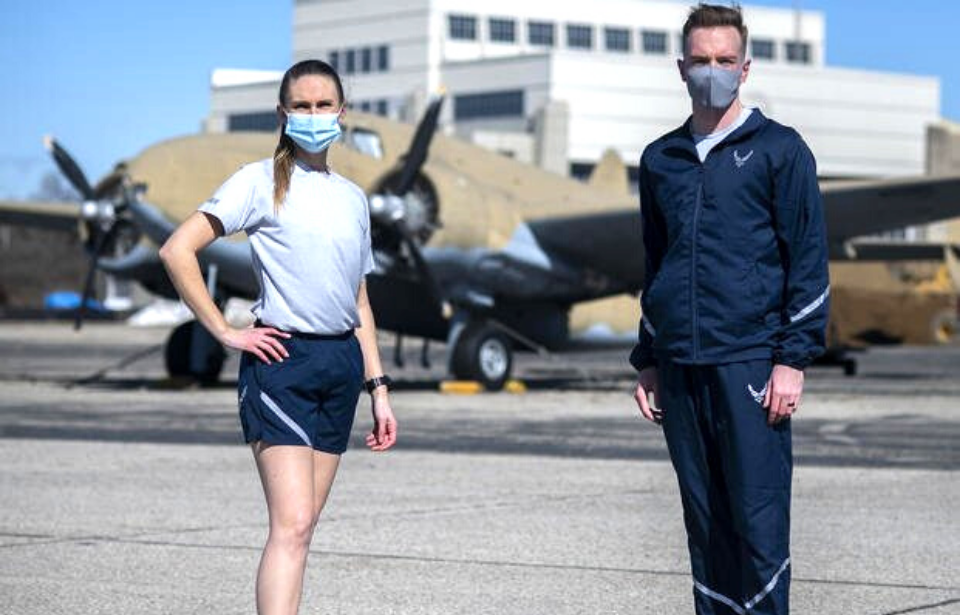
(70, 169)
(403, 195)
(99, 213)
(103, 240)
(391, 210)
(419, 148)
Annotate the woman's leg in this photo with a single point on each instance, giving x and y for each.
(324, 471)
(287, 475)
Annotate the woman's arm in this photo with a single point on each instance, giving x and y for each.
(384, 433)
(179, 256)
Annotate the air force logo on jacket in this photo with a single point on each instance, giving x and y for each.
(736, 253)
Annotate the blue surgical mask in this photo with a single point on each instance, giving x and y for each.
(714, 87)
(313, 132)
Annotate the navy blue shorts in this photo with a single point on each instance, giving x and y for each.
(309, 399)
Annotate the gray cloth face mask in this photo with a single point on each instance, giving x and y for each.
(713, 87)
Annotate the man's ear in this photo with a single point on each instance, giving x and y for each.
(683, 76)
(745, 72)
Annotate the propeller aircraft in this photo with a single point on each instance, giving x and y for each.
(473, 249)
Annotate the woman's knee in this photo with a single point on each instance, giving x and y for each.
(294, 529)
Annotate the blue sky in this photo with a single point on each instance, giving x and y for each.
(109, 78)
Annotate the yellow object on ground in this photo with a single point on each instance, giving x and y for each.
(472, 387)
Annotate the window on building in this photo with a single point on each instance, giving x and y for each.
(503, 30)
(365, 106)
(579, 36)
(798, 52)
(351, 61)
(463, 27)
(382, 107)
(366, 60)
(334, 60)
(540, 33)
(265, 121)
(383, 58)
(617, 39)
(654, 41)
(488, 104)
(763, 48)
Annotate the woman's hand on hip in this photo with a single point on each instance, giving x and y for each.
(384, 432)
(259, 341)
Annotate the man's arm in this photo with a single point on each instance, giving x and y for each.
(803, 244)
(654, 246)
(801, 235)
(654, 243)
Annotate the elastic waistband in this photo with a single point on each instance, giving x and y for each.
(310, 336)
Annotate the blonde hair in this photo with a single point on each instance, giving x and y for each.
(284, 157)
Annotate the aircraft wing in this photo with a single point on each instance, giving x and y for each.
(890, 250)
(607, 244)
(40, 214)
(606, 249)
(866, 208)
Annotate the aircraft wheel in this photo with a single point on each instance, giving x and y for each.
(483, 354)
(180, 347)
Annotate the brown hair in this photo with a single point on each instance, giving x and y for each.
(715, 16)
(284, 156)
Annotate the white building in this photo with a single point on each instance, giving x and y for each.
(557, 83)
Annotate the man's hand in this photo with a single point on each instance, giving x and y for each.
(783, 393)
(384, 432)
(647, 385)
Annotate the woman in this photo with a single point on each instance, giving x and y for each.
(314, 344)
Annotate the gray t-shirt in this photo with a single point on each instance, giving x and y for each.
(309, 258)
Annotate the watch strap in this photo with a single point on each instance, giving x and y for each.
(377, 381)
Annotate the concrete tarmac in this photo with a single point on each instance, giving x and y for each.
(125, 493)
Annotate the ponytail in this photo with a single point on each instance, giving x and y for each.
(284, 157)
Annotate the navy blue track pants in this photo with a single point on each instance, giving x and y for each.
(734, 473)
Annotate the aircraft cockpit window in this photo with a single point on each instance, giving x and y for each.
(365, 141)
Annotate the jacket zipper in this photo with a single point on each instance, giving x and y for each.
(693, 272)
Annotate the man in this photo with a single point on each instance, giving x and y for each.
(735, 304)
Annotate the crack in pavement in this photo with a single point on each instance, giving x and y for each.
(424, 559)
(924, 607)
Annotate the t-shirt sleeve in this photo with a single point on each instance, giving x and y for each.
(366, 245)
(235, 203)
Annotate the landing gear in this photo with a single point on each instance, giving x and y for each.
(193, 353)
(484, 354)
(849, 367)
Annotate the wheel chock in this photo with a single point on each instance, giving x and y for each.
(472, 387)
(515, 386)
(461, 387)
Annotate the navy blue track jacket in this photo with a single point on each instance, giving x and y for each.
(736, 250)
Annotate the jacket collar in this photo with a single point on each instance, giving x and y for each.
(682, 137)
(756, 120)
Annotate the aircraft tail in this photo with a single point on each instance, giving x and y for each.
(610, 173)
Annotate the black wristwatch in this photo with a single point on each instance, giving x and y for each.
(377, 381)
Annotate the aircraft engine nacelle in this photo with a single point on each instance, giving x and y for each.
(415, 213)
